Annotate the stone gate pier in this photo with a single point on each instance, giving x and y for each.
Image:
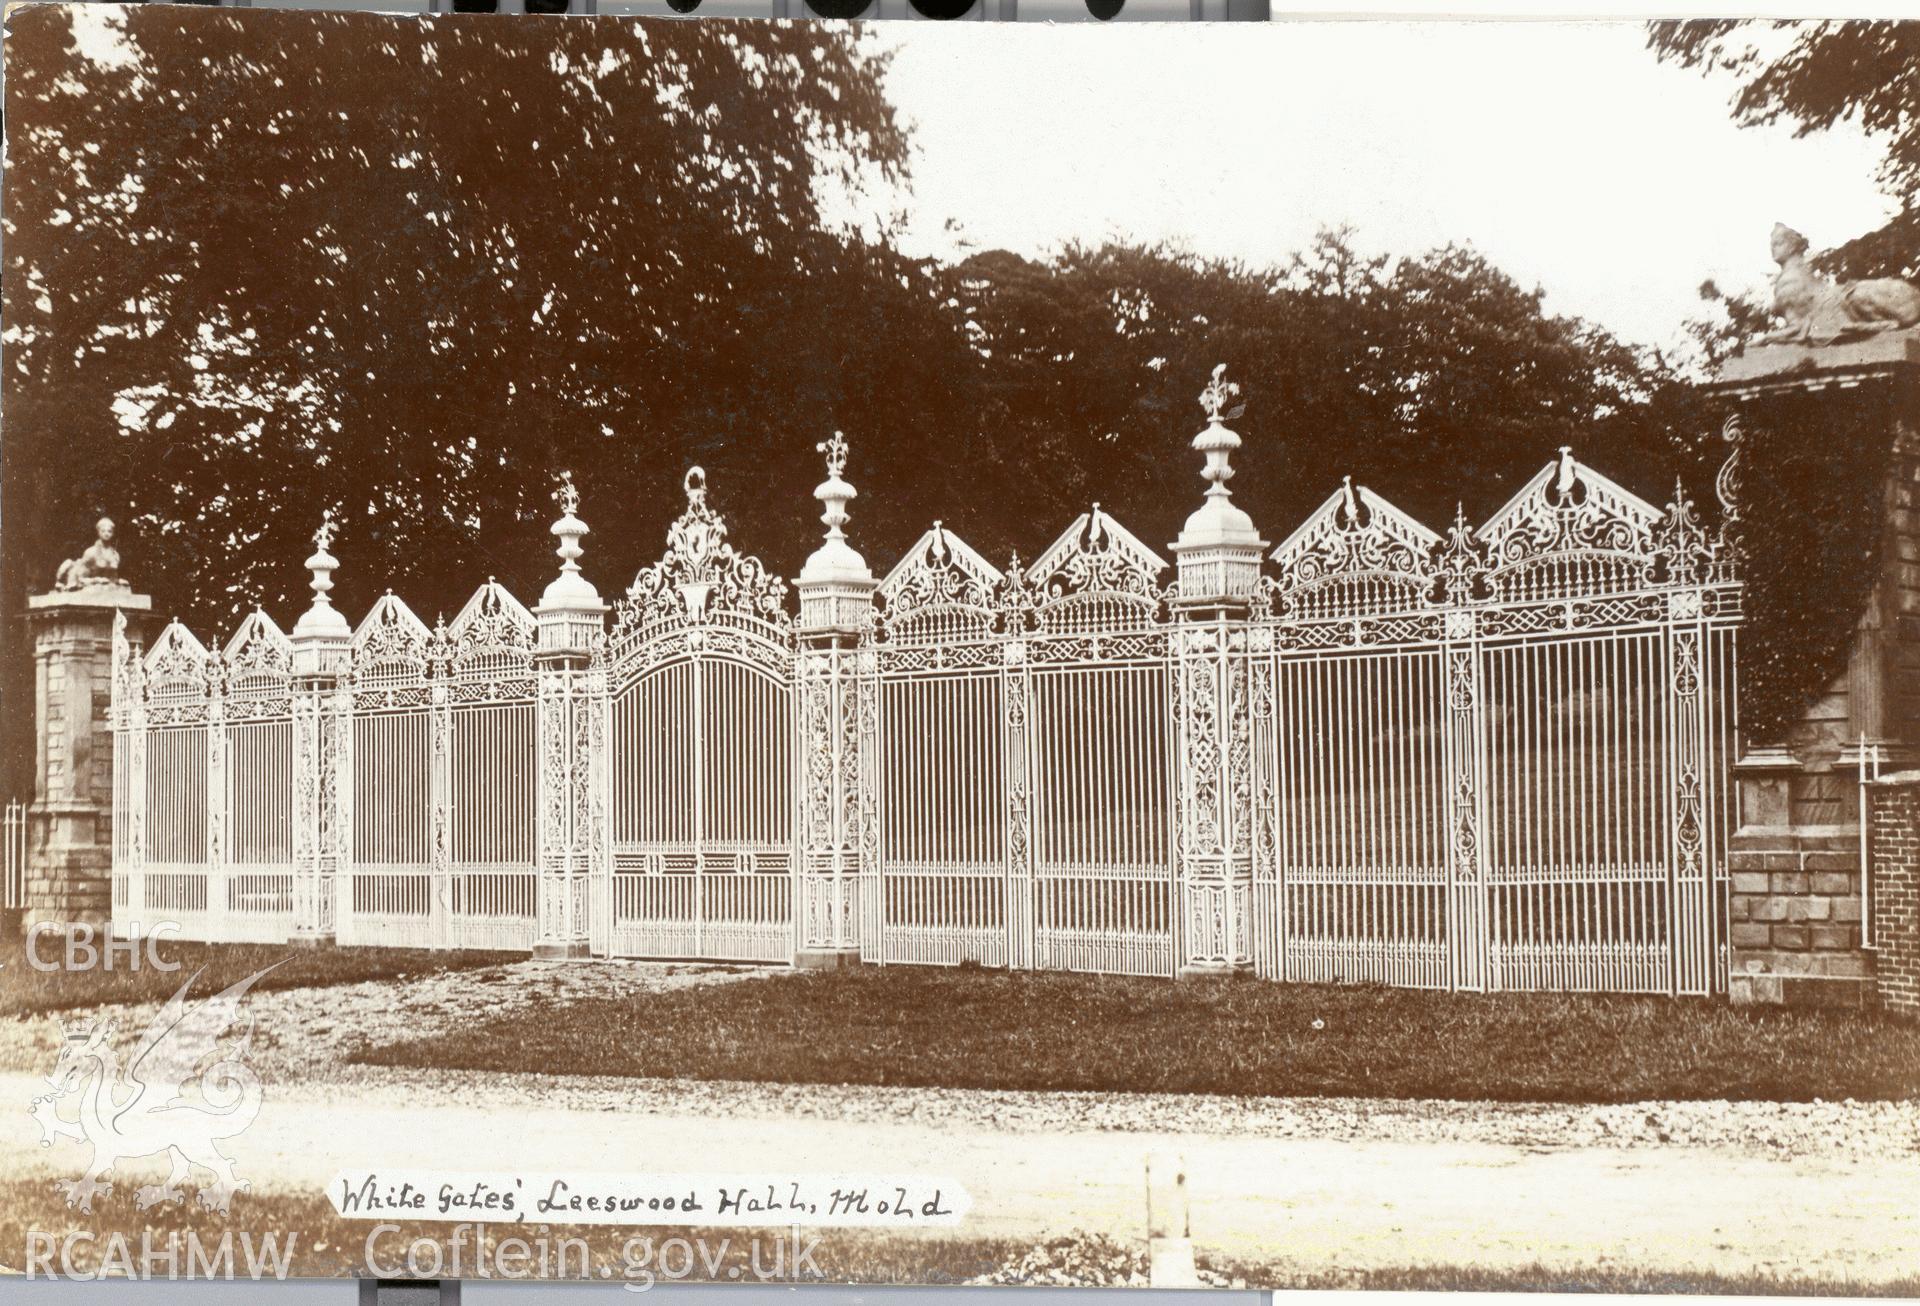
(70, 822)
(1795, 861)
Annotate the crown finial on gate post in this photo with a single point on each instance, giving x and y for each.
(321, 637)
(835, 587)
(570, 612)
(1218, 552)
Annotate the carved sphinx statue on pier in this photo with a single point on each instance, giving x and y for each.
(96, 568)
(1819, 311)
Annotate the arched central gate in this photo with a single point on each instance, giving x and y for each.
(700, 676)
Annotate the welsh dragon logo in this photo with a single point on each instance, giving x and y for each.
(181, 1091)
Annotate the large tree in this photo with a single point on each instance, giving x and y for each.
(1812, 471)
(262, 264)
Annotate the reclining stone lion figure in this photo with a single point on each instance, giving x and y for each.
(1819, 312)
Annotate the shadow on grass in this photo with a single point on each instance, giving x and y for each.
(926, 1027)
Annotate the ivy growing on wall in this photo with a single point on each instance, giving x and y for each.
(1812, 526)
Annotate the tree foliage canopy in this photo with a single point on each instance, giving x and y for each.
(409, 270)
(1434, 379)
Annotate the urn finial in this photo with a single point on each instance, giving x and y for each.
(321, 635)
(322, 563)
(1218, 550)
(570, 611)
(834, 492)
(1218, 442)
(835, 586)
(569, 529)
(569, 590)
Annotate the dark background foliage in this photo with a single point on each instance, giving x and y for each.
(410, 270)
(1812, 525)
(1810, 494)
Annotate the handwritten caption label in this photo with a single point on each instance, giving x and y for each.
(825, 1200)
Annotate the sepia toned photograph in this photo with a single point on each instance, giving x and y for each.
(1255, 656)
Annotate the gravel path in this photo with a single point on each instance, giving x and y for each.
(1319, 1202)
(1778, 1129)
(304, 1036)
(307, 1033)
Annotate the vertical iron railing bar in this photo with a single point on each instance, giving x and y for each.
(1670, 760)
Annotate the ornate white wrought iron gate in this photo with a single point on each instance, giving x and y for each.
(414, 778)
(1026, 758)
(702, 753)
(1501, 759)
(1491, 759)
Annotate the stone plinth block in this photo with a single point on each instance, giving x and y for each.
(1794, 904)
(1765, 366)
(827, 958)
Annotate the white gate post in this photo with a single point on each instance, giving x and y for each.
(1688, 921)
(1016, 741)
(1468, 926)
(866, 709)
(1268, 907)
(836, 716)
(1463, 785)
(219, 899)
(1218, 561)
(570, 707)
(1684, 557)
(440, 922)
(130, 717)
(593, 735)
(322, 760)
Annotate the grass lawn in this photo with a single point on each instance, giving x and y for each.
(970, 1028)
(311, 1240)
(25, 989)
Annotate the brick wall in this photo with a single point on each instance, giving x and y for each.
(1893, 842)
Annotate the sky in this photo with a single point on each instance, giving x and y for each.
(1562, 151)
